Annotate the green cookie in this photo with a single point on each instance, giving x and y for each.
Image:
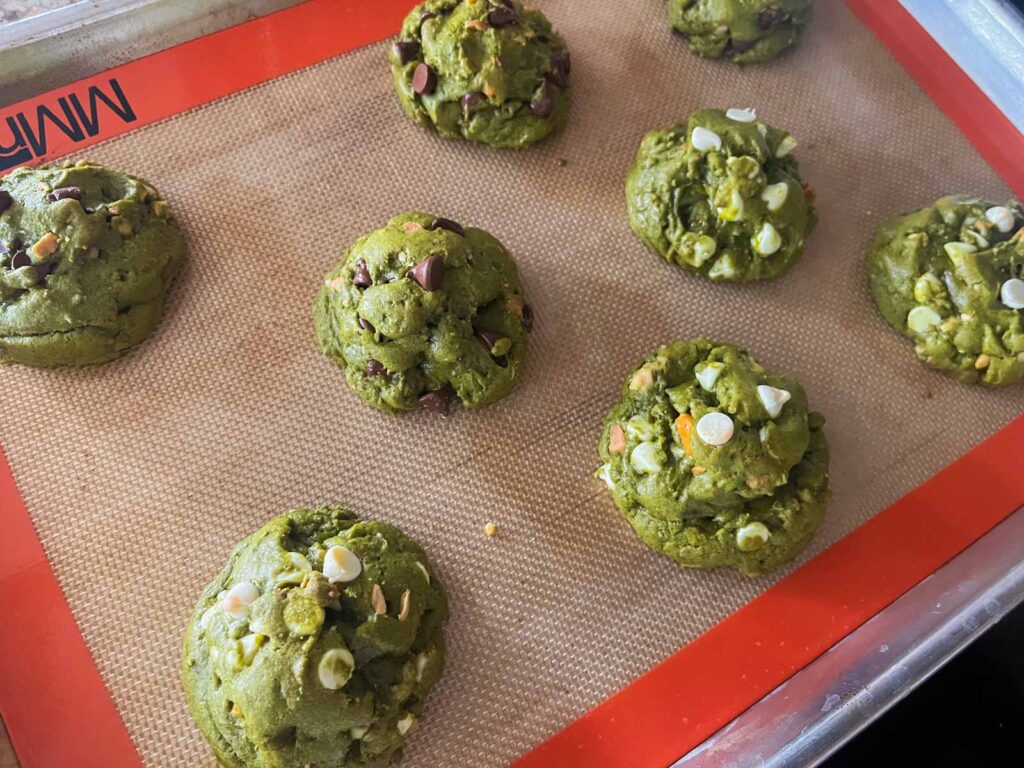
(948, 277)
(423, 311)
(492, 72)
(746, 31)
(87, 256)
(316, 645)
(721, 196)
(714, 461)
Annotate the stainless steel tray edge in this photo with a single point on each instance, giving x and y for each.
(823, 706)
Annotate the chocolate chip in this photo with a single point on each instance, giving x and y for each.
(407, 50)
(65, 193)
(375, 368)
(527, 318)
(427, 16)
(470, 100)
(560, 66)
(438, 401)
(6, 201)
(543, 103)
(424, 81)
(429, 273)
(767, 20)
(42, 270)
(739, 46)
(366, 325)
(501, 17)
(20, 259)
(362, 278)
(489, 338)
(448, 224)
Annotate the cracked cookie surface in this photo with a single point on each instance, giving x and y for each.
(492, 72)
(316, 644)
(721, 196)
(423, 312)
(745, 31)
(87, 256)
(714, 461)
(950, 277)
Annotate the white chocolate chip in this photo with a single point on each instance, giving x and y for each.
(767, 241)
(358, 732)
(926, 287)
(640, 428)
(772, 398)
(735, 210)
(1012, 293)
(421, 664)
(604, 473)
(741, 115)
(335, 668)
(703, 140)
(703, 249)
(423, 568)
(774, 195)
(921, 318)
(239, 598)
(1002, 217)
(752, 537)
(715, 428)
(645, 459)
(405, 724)
(643, 379)
(341, 564)
(958, 250)
(708, 375)
(787, 145)
(250, 644)
(299, 668)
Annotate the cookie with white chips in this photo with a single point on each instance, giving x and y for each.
(317, 644)
(721, 195)
(950, 277)
(714, 461)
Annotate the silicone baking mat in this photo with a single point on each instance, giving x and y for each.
(139, 476)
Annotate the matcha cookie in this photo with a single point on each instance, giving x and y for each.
(746, 31)
(721, 196)
(316, 645)
(87, 256)
(714, 461)
(489, 71)
(422, 312)
(950, 277)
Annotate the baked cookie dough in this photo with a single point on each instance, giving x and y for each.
(423, 312)
(714, 461)
(488, 70)
(950, 277)
(316, 645)
(87, 256)
(721, 196)
(746, 31)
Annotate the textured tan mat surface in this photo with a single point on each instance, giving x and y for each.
(141, 475)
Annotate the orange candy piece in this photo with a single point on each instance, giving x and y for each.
(684, 426)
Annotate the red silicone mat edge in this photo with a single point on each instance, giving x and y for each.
(54, 703)
(53, 700)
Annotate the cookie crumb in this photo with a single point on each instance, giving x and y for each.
(491, 530)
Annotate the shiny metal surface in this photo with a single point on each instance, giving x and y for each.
(810, 716)
(820, 708)
(986, 38)
(49, 50)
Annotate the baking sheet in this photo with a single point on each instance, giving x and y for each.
(140, 475)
